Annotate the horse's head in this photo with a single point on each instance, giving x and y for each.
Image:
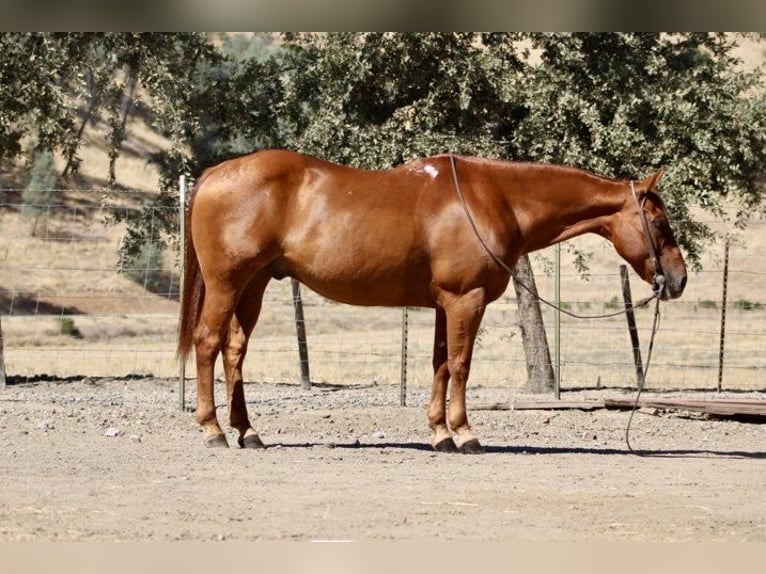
(642, 235)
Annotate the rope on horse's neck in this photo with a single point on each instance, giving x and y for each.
(656, 295)
(508, 270)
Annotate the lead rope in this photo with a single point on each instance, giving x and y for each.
(642, 378)
(659, 279)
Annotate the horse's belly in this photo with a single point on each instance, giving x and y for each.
(366, 294)
(358, 282)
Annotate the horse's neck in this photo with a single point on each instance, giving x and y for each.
(564, 203)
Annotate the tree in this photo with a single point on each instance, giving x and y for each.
(35, 72)
(623, 105)
(540, 375)
(222, 103)
(52, 84)
(376, 100)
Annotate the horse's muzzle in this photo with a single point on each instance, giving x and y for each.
(669, 288)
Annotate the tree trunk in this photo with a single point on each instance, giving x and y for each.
(118, 132)
(95, 100)
(540, 377)
(72, 153)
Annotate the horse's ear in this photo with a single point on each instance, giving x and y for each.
(653, 180)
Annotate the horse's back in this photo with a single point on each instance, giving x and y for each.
(249, 172)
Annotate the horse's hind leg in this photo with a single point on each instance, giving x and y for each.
(234, 350)
(463, 319)
(437, 412)
(209, 334)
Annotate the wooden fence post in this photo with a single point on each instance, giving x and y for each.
(300, 327)
(2, 355)
(631, 318)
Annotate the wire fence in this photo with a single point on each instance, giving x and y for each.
(69, 309)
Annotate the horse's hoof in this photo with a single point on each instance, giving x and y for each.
(445, 445)
(216, 441)
(472, 446)
(250, 441)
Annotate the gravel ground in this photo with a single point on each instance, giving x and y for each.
(112, 460)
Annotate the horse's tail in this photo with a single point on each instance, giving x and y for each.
(193, 295)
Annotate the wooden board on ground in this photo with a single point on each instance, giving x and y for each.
(750, 409)
(585, 405)
(717, 407)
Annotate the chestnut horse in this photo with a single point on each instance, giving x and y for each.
(429, 233)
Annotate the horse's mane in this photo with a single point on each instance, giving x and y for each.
(529, 166)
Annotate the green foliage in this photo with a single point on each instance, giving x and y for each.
(244, 47)
(747, 305)
(146, 266)
(581, 259)
(67, 327)
(42, 176)
(36, 71)
(376, 100)
(612, 304)
(52, 83)
(149, 233)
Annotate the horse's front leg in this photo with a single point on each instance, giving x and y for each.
(463, 320)
(437, 408)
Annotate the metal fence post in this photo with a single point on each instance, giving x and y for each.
(182, 240)
(723, 313)
(557, 328)
(403, 374)
(2, 355)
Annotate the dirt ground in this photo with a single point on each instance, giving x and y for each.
(116, 460)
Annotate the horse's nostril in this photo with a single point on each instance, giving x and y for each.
(682, 283)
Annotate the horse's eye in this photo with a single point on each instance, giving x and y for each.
(661, 225)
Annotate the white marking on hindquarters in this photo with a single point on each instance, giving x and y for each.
(431, 170)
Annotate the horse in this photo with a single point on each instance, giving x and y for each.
(441, 232)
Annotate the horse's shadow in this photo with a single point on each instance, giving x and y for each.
(538, 450)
